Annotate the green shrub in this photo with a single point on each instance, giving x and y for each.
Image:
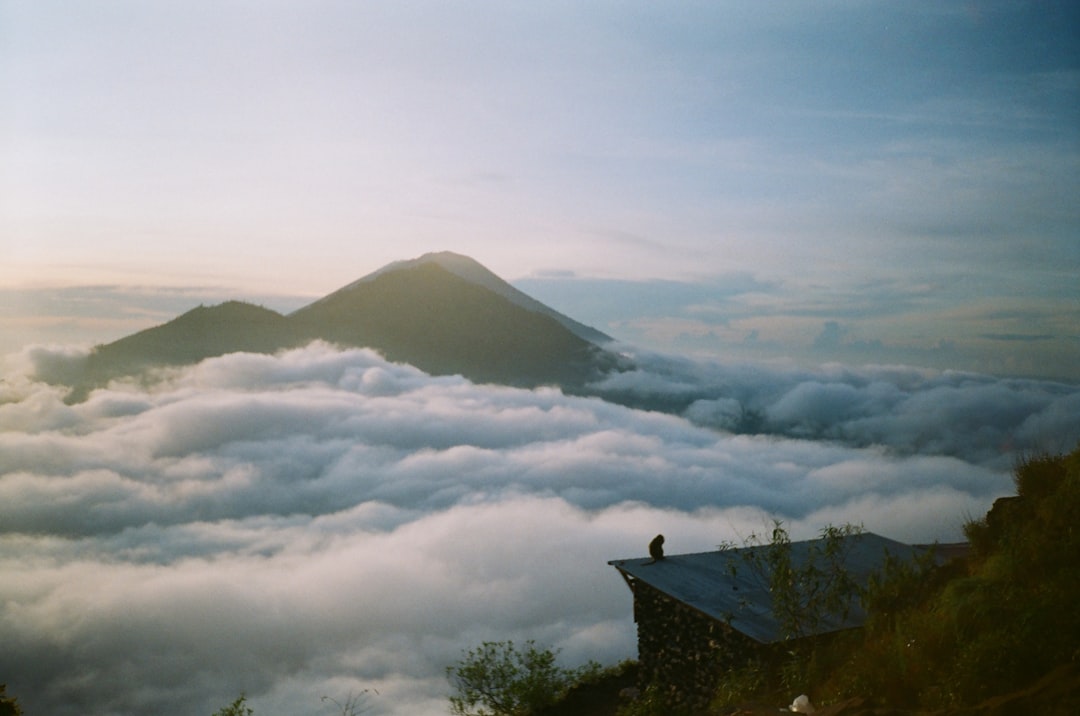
(9, 705)
(498, 679)
(236, 708)
(936, 638)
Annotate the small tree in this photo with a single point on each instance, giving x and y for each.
(236, 708)
(803, 595)
(9, 705)
(354, 704)
(497, 679)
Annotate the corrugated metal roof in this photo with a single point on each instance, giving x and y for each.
(705, 581)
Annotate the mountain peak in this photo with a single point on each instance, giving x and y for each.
(454, 263)
(474, 273)
(442, 312)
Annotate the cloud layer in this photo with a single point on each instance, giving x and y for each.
(321, 522)
(978, 418)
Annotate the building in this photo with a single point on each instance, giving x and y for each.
(698, 615)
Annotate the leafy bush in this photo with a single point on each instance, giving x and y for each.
(936, 638)
(803, 595)
(651, 702)
(9, 705)
(236, 708)
(498, 679)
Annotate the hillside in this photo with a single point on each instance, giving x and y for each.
(202, 332)
(991, 634)
(443, 313)
(432, 318)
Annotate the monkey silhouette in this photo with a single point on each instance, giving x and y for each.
(656, 549)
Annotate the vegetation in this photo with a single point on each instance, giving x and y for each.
(353, 705)
(498, 679)
(941, 636)
(236, 708)
(993, 624)
(9, 705)
(804, 593)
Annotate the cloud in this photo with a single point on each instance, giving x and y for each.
(977, 418)
(322, 521)
(59, 364)
(1019, 337)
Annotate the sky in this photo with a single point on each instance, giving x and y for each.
(852, 181)
(843, 235)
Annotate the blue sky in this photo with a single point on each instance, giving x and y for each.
(838, 181)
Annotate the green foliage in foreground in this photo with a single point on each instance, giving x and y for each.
(9, 705)
(988, 625)
(353, 705)
(803, 595)
(236, 708)
(954, 635)
(499, 679)
(1005, 619)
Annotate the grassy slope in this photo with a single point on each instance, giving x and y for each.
(1004, 621)
(995, 634)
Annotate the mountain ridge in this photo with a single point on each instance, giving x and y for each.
(443, 313)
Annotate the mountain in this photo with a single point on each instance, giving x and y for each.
(202, 332)
(420, 312)
(443, 313)
(475, 273)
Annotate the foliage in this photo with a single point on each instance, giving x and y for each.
(236, 708)
(354, 704)
(9, 705)
(498, 679)
(900, 585)
(650, 702)
(804, 592)
(803, 595)
(740, 683)
(994, 624)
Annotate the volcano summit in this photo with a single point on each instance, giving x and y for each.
(443, 313)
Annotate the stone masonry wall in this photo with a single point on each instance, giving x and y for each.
(681, 651)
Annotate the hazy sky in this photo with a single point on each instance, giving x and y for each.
(866, 182)
(788, 210)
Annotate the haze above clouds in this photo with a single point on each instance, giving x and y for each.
(322, 521)
(854, 182)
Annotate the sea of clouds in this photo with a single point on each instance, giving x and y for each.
(322, 522)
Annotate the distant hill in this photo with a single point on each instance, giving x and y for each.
(202, 332)
(443, 313)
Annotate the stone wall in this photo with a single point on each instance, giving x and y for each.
(682, 652)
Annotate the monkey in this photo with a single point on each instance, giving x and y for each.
(656, 549)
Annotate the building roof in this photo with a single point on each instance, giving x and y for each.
(720, 585)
